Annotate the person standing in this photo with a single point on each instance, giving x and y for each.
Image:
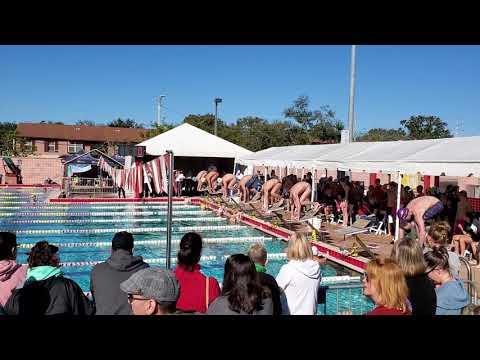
(258, 254)
(242, 293)
(299, 279)
(384, 282)
(11, 273)
(197, 291)
(46, 291)
(152, 291)
(106, 277)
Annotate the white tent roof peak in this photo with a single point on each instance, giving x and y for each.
(190, 141)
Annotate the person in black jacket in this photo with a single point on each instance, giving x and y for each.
(409, 256)
(46, 291)
(106, 277)
(258, 254)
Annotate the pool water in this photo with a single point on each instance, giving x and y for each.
(84, 232)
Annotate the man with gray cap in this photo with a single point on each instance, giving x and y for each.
(152, 291)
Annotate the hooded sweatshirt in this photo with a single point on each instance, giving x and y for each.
(300, 280)
(105, 282)
(11, 275)
(451, 298)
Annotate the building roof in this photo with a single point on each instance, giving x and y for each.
(80, 133)
(190, 141)
(445, 157)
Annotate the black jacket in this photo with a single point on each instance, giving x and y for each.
(422, 295)
(269, 281)
(56, 295)
(105, 280)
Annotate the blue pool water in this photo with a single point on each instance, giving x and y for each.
(94, 225)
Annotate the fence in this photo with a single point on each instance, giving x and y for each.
(88, 186)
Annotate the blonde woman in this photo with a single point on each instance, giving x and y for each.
(408, 254)
(385, 284)
(299, 279)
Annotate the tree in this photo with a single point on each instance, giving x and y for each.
(426, 127)
(379, 134)
(317, 124)
(10, 143)
(127, 123)
(85, 122)
(205, 122)
(7, 138)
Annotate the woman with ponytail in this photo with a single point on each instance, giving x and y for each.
(197, 291)
(451, 294)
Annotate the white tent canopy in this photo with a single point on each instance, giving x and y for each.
(449, 157)
(190, 141)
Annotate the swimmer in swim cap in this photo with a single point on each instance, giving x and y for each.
(416, 212)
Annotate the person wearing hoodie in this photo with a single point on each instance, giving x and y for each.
(46, 291)
(11, 273)
(451, 294)
(106, 277)
(299, 279)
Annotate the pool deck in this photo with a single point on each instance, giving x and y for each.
(330, 244)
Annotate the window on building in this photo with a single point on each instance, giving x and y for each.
(125, 149)
(74, 148)
(51, 146)
(29, 145)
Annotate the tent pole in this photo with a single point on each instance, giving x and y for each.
(169, 210)
(397, 220)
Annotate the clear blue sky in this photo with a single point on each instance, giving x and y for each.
(101, 83)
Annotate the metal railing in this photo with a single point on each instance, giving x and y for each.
(471, 287)
(92, 186)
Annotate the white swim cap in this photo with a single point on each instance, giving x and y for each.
(219, 180)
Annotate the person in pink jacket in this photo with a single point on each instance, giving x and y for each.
(11, 273)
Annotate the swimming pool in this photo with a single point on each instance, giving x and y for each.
(84, 231)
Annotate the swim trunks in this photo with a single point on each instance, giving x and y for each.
(433, 211)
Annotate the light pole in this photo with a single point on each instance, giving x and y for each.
(159, 111)
(217, 101)
(352, 95)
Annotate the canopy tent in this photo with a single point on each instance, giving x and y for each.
(79, 158)
(440, 157)
(189, 141)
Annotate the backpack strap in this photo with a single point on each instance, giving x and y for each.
(207, 295)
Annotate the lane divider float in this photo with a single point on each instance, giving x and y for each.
(131, 230)
(222, 240)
